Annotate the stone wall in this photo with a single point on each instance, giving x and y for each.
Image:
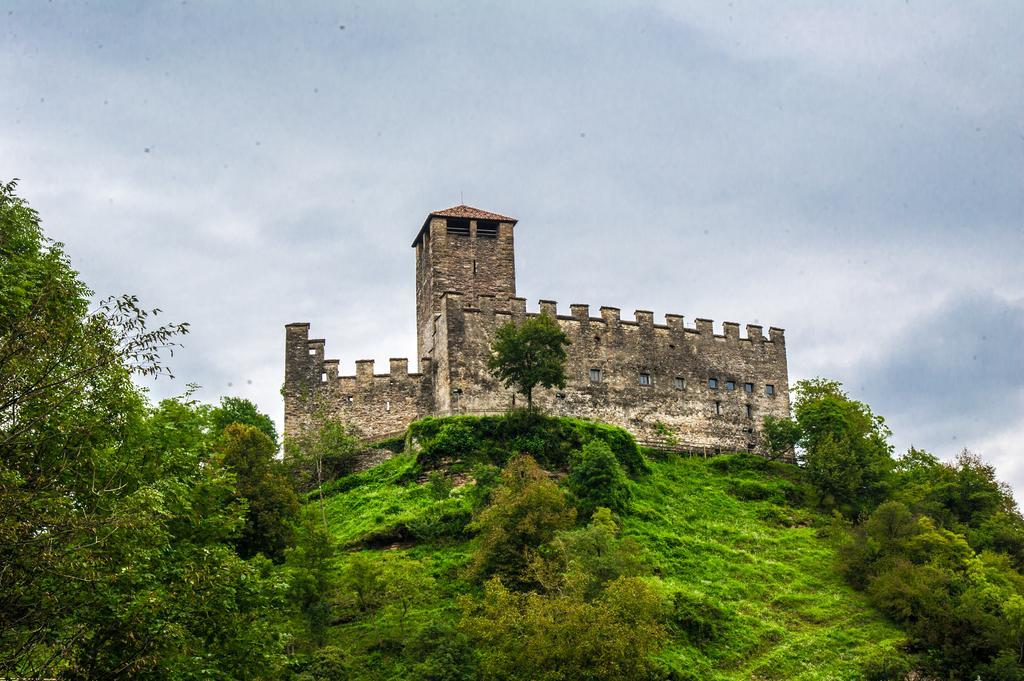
(473, 264)
(375, 404)
(621, 350)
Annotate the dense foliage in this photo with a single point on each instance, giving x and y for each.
(120, 522)
(596, 479)
(462, 442)
(239, 410)
(936, 546)
(529, 354)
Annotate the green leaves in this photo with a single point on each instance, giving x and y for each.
(596, 479)
(530, 354)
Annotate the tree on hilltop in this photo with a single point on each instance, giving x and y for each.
(529, 354)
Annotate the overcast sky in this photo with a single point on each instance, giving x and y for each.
(853, 175)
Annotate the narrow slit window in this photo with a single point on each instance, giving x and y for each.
(713, 383)
(645, 378)
(323, 377)
(595, 375)
(730, 385)
(680, 382)
(750, 411)
(474, 267)
(387, 406)
(748, 388)
(718, 407)
(769, 390)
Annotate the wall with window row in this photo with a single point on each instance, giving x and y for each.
(623, 350)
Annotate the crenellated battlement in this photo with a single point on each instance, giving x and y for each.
(710, 383)
(508, 309)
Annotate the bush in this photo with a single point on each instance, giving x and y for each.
(527, 509)
(440, 485)
(454, 441)
(698, 617)
(470, 440)
(596, 479)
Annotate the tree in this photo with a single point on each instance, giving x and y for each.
(273, 504)
(526, 510)
(116, 523)
(596, 479)
(530, 354)
(312, 582)
(586, 559)
(847, 454)
(780, 436)
(239, 410)
(564, 636)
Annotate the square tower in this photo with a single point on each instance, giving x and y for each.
(462, 249)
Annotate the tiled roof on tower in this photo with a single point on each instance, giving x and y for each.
(466, 213)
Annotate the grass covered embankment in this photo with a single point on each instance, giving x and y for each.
(751, 584)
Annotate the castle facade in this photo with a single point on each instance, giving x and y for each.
(688, 385)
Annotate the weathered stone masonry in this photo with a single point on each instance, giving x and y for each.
(711, 390)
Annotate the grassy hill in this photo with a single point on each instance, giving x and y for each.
(728, 533)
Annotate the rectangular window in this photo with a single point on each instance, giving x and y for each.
(486, 229)
(458, 226)
(730, 385)
(712, 383)
(750, 411)
(645, 379)
(323, 377)
(680, 383)
(769, 390)
(595, 375)
(748, 388)
(718, 407)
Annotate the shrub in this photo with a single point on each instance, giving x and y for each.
(454, 441)
(526, 510)
(698, 617)
(596, 479)
(493, 439)
(440, 485)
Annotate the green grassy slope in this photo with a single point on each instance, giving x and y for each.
(725, 533)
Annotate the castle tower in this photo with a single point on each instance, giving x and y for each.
(461, 249)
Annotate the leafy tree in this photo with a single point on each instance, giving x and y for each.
(588, 558)
(364, 578)
(780, 436)
(565, 637)
(526, 510)
(596, 479)
(960, 607)
(406, 585)
(847, 455)
(530, 354)
(116, 523)
(312, 583)
(239, 410)
(260, 479)
(323, 451)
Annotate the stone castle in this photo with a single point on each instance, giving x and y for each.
(689, 385)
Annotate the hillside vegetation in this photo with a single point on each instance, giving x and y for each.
(751, 584)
